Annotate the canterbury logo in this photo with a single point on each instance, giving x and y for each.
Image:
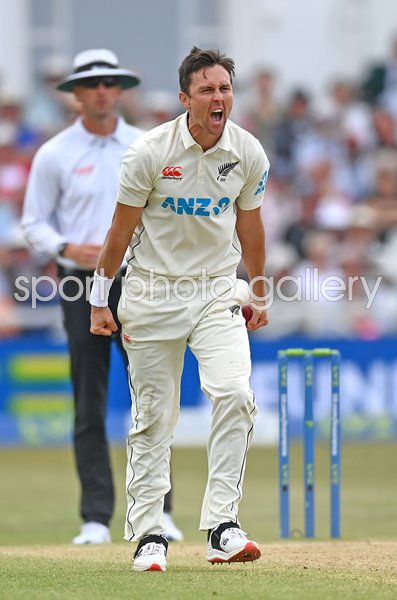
(172, 172)
(225, 169)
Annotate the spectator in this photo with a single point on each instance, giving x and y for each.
(294, 125)
(158, 107)
(27, 137)
(263, 112)
(381, 78)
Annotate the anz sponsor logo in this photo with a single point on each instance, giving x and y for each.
(198, 207)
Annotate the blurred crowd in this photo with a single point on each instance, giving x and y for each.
(330, 207)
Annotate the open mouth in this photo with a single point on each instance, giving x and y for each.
(216, 115)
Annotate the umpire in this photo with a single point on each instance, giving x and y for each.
(69, 204)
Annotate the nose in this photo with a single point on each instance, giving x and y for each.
(217, 94)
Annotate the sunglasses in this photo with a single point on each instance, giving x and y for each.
(94, 82)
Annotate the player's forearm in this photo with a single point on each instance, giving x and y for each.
(251, 234)
(108, 263)
(254, 258)
(112, 254)
(125, 221)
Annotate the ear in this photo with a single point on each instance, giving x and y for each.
(77, 92)
(184, 100)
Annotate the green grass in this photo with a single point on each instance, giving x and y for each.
(323, 570)
(38, 518)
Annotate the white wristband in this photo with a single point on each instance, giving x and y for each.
(100, 290)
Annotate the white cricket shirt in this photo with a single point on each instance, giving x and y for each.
(72, 188)
(189, 197)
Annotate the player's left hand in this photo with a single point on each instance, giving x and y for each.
(258, 318)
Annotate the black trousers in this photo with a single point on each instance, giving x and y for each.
(90, 364)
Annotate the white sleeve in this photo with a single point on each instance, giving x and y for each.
(252, 193)
(41, 197)
(137, 175)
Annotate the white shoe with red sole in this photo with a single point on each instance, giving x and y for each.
(227, 543)
(151, 554)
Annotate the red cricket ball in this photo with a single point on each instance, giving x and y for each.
(247, 312)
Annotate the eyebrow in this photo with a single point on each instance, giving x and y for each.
(206, 86)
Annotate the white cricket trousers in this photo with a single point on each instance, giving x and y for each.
(158, 324)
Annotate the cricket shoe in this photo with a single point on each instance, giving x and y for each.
(93, 533)
(227, 543)
(151, 554)
(172, 533)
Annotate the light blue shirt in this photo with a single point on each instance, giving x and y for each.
(72, 188)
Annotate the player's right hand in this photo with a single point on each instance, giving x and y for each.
(102, 321)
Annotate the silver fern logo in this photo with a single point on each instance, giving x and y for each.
(225, 169)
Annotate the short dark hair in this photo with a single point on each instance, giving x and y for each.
(197, 59)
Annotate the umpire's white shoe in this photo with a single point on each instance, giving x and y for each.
(172, 533)
(227, 543)
(151, 554)
(93, 533)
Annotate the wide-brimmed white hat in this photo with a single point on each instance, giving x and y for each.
(98, 63)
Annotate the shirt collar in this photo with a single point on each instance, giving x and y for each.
(116, 135)
(188, 140)
(120, 131)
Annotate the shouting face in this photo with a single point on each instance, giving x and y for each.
(209, 102)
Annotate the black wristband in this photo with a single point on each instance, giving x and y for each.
(62, 249)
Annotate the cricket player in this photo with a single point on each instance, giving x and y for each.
(191, 189)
